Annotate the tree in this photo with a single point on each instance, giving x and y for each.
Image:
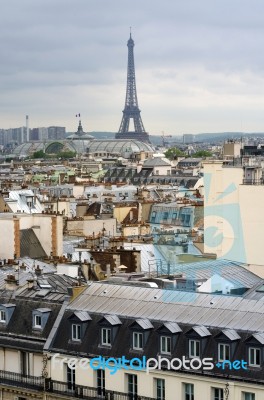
(202, 154)
(39, 154)
(173, 152)
(66, 154)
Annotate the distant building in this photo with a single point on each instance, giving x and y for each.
(82, 143)
(56, 132)
(232, 148)
(188, 138)
(39, 134)
(172, 214)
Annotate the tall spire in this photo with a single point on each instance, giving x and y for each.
(131, 110)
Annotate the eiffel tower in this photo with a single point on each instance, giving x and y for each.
(131, 110)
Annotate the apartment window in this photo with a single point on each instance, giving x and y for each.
(188, 391)
(174, 216)
(24, 363)
(223, 352)
(160, 389)
(248, 396)
(106, 336)
(70, 378)
(132, 386)
(165, 215)
(218, 394)
(76, 332)
(37, 321)
(254, 357)
(2, 316)
(153, 216)
(165, 344)
(100, 382)
(137, 341)
(194, 348)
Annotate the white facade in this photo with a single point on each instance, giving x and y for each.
(174, 382)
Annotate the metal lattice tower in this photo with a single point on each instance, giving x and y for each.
(131, 110)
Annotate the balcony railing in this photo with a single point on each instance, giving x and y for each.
(72, 390)
(24, 381)
(85, 392)
(253, 181)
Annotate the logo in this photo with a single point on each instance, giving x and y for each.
(144, 364)
(223, 233)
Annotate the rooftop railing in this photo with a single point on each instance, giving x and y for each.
(253, 181)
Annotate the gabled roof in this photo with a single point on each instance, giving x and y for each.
(201, 331)
(231, 334)
(173, 327)
(259, 337)
(8, 305)
(156, 162)
(82, 315)
(144, 323)
(43, 310)
(113, 319)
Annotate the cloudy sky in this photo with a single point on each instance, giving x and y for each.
(199, 63)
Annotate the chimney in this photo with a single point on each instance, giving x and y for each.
(30, 283)
(75, 290)
(38, 270)
(11, 282)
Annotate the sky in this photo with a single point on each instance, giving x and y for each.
(199, 64)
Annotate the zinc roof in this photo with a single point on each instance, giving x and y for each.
(226, 312)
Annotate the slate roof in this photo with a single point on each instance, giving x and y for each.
(30, 245)
(19, 333)
(156, 162)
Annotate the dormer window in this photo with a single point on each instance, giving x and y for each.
(40, 317)
(79, 321)
(169, 334)
(227, 341)
(2, 316)
(255, 346)
(109, 328)
(140, 332)
(197, 337)
(6, 311)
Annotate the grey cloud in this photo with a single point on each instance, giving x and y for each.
(77, 50)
